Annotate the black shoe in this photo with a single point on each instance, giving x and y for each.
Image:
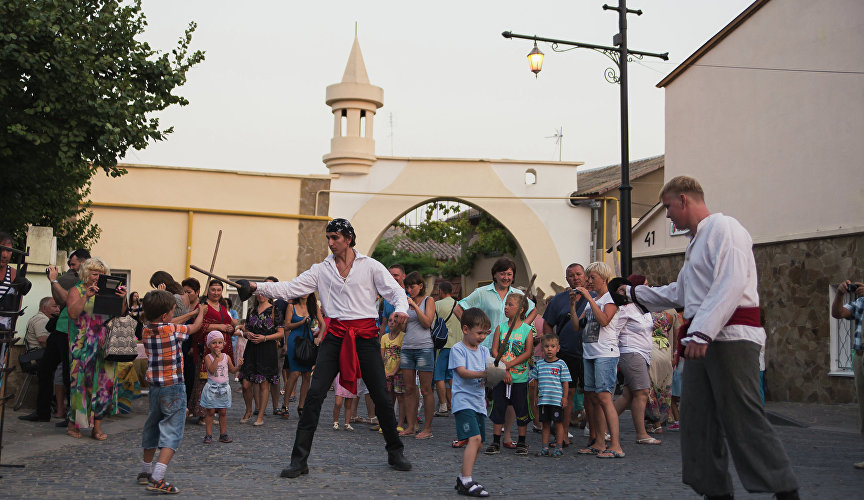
(398, 461)
(62, 423)
(34, 417)
(472, 489)
(294, 470)
(521, 448)
(493, 449)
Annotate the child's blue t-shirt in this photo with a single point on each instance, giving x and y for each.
(468, 393)
(549, 378)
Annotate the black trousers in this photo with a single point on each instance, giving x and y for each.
(372, 370)
(56, 352)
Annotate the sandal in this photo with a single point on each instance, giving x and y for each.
(458, 443)
(472, 489)
(607, 453)
(98, 436)
(648, 440)
(589, 451)
(75, 433)
(509, 444)
(427, 435)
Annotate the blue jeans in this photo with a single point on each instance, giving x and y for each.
(600, 374)
(167, 417)
(421, 360)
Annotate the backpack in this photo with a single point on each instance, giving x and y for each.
(120, 343)
(439, 330)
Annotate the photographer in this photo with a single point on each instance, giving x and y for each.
(54, 365)
(855, 311)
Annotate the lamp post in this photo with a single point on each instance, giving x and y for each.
(619, 54)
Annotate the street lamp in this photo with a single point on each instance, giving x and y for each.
(620, 55)
(535, 59)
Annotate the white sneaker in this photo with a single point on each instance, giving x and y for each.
(587, 431)
(569, 436)
(335, 426)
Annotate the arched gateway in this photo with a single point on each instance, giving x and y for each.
(527, 197)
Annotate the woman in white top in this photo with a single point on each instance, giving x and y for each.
(418, 355)
(600, 356)
(634, 342)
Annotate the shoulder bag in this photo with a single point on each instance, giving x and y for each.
(120, 342)
(305, 350)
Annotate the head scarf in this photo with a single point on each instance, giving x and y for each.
(213, 336)
(343, 227)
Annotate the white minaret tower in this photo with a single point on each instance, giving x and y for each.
(354, 102)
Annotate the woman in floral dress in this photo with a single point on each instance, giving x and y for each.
(264, 327)
(91, 391)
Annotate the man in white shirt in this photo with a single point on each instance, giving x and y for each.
(36, 335)
(722, 337)
(348, 284)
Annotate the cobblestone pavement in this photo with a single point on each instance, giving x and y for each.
(345, 464)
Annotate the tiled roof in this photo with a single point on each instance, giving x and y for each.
(441, 251)
(600, 180)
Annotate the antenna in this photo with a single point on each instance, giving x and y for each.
(559, 140)
(391, 135)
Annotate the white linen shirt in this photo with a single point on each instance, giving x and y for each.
(719, 276)
(343, 299)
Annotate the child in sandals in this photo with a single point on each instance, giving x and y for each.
(342, 395)
(216, 395)
(468, 362)
(553, 379)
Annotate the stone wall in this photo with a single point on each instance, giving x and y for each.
(793, 288)
(311, 244)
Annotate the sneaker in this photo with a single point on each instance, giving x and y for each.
(536, 428)
(587, 431)
(162, 486)
(442, 412)
(472, 489)
(144, 478)
(544, 452)
(335, 426)
(674, 427)
(208, 439)
(225, 438)
(493, 449)
(557, 453)
(522, 449)
(348, 427)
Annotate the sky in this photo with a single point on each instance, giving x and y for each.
(453, 86)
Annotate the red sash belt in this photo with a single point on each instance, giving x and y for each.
(348, 330)
(748, 316)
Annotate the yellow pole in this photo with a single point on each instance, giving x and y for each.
(189, 241)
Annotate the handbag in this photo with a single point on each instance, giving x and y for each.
(120, 343)
(439, 330)
(305, 350)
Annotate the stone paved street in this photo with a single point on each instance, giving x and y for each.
(345, 464)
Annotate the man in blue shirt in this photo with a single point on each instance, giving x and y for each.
(562, 318)
(385, 309)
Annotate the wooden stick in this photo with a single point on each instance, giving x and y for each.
(216, 251)
(215, 277)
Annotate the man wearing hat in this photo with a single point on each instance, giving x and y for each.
(348, 284)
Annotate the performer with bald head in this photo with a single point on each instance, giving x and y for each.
(348, 284)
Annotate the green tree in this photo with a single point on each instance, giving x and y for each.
(478, 236)
(77, 90)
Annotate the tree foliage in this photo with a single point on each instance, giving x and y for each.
(77, 90)
(477, 236)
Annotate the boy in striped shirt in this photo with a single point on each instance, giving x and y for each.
(164, 426)
(553, 380)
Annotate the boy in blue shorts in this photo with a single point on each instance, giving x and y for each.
(468, 362)
(164, 426)
(553, 380)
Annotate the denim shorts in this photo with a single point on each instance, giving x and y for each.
(600, 374)
(441, 362)
(167, 417)
(421, 360)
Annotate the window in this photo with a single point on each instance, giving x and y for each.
(530, 177)
(363, 123)
(842, 335)
(343, 124)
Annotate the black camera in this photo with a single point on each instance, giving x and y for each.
(852, 287)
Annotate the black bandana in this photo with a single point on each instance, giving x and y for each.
(341, 226)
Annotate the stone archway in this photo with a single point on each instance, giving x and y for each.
(550, 233)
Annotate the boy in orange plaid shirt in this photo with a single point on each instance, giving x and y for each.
(164, 426)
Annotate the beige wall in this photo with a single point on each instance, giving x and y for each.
(550, 233)
(780, 151)
(143, 240)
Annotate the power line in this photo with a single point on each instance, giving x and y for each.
(759, 68)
